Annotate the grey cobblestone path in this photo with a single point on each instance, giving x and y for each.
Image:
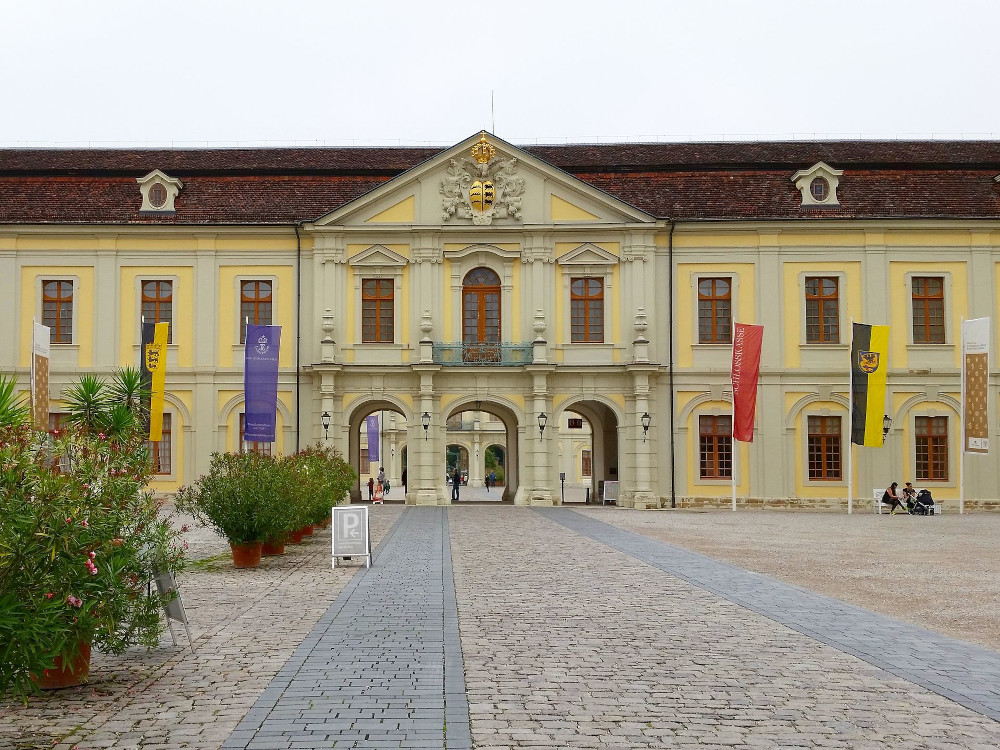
(383, 667)
(965, 673)
(570, 643)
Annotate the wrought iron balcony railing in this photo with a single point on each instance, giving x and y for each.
(492, 353)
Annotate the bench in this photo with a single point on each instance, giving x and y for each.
(877, 504)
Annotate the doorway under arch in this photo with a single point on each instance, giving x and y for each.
(481, 425)
(389, 435)
(603, 452)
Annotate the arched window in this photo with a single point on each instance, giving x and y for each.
(481, 315)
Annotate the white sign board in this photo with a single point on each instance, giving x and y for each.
(351, 534)
(610, 493)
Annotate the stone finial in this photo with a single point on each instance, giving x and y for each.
(640, 322)
(327, 326)
(426, 326)
(539, 325)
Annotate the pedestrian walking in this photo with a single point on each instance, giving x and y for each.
(371, 489)
(403, 478)
(456, 480)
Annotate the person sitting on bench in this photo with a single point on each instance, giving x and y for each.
(892, 497)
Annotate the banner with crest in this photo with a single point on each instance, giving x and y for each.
(153, 364)
(869, 371)
(260, 383)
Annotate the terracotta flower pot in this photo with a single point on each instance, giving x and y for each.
(273, 548)
(63, 675)
(246, 555)
(308, 530)
(295, 537)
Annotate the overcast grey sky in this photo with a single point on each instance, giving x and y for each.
(374, 73)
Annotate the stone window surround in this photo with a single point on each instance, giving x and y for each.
(390, 265)
(501, 262)
(696, 479)
(237, 293)
(696, 277)
(954, 446)
(803, 180)
(39, 279)
(908, 282)
(845, 445)
(171, 184)
(597, 266)
(842, 317)
(137, 283)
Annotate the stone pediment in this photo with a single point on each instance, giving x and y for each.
(588, 254)
(378, 255)
(483, 181)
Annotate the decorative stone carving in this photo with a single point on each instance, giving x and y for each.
(539, 325)
(640, 324)
(158, 192)
(426, 326)
(482, 189)
(327, 326)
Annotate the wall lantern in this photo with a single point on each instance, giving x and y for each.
(646, 419)
(425, 420)
(542, 420)
(886, 424)
(325, 419)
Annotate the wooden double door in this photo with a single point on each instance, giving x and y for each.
(481, 316)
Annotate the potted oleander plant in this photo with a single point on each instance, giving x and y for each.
(81, 538)
(244, 498)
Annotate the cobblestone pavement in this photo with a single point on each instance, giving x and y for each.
(383, 668)
(574, 634)
(570, 643)
(246, 624)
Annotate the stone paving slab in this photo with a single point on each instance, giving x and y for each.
(570, 643)
(963, 672)
(383, 667)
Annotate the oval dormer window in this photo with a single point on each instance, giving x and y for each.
(157, 195)
(819, 188)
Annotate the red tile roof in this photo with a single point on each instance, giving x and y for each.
(686, 181)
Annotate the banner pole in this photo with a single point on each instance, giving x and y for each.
(961, 432)
(850, 425)
(736, 443)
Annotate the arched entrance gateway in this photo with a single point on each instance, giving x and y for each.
(471, 432)
(588, 458)
(377, 441)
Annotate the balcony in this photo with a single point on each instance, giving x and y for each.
(483, 354)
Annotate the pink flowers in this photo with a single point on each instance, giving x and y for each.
(185, 544)
(74, 602)
(49, 595)
(85, 525)
(69, 519)
(89, 563)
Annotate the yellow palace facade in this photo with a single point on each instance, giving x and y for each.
(567, 309)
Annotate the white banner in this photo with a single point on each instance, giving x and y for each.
(975, 385)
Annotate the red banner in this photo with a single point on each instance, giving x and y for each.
(746, 367)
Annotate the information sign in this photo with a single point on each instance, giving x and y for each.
(610, 493)
(174, 609)
(351, 534)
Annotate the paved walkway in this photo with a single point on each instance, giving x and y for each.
(383, 667)
(578, 634)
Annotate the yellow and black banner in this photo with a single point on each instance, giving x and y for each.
(154, 371)
(869, 368)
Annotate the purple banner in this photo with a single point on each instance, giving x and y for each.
(260, 382)
(371, 422)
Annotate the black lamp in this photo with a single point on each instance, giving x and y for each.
(425, 420)
(645, 419)
(542, 420)
(886, 424)
(325, 419)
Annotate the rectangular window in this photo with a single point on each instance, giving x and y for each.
(928, 309)
(586, 466)
(716, 438)
(57, 310)
(366, 464)
(377, 311)
(824, 448)
(158, 304)
(161, 451)
(715, 302)
(932, 448)
(822, 310)
(587, 310)
(264, 448)
(256, 299)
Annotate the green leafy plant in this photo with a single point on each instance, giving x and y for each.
(244, 497)
(322, 479)
(80, 540)
(14, 408)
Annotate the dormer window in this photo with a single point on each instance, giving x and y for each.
(158, 192)
(818, 185)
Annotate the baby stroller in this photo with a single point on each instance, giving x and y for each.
(922, 504)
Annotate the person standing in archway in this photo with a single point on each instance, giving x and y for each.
(456, 480)
(492, 479)
(403, 478)
(371, 489)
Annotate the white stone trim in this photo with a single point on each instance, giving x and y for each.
(804, 177)
(172, 186)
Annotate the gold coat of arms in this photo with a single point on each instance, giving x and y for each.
(483, 188)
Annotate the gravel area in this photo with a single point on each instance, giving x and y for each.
(941, 572)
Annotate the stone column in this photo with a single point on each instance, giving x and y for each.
(541, 481)
(424, 446)
(640, 494)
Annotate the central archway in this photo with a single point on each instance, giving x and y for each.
(477, 431)
(602, 457)
(390, 433)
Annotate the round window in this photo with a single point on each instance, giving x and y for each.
(157, 195)
(819, 188)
